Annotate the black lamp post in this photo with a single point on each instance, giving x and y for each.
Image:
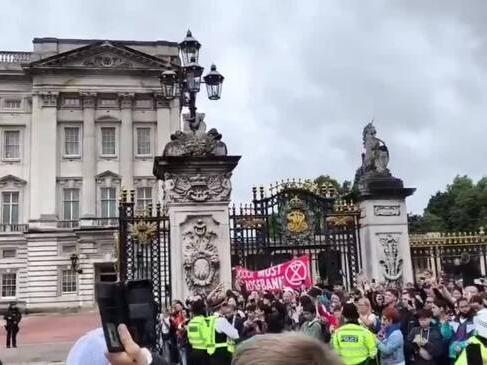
(74, 263)
(185, 82)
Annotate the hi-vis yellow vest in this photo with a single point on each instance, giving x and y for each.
(198, 332)
(354, 344)
(462, 359)
(211, 346)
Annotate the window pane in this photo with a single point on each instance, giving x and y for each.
(68, 281)
(8, 253)
(108, 141)
(9, 284)
(12, 104)
(71, 102)
(143, 141)
(11, 144)
(71, 204)
(71, 141)
(144, 198)
(10, 207)
(108, 202)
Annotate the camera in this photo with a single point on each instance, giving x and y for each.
(131, 303)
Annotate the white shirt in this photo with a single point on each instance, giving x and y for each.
(223, 326)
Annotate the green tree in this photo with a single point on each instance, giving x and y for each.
(343, 188)
(462, 207)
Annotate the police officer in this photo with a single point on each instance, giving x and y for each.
(222, 334)
(198, 334)
(476, 351)
(353, 343)
(12, 318)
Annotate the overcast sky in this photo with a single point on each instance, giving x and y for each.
(304, 77)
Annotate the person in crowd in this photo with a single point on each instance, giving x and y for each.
(367, 318)
(390, 341)
(178, 345)
(475, 352)
(291, 317)
(462, 326)
(284, 349)
(425, 340)
(198, 333)
(254, 324)
(12, 319)
(428, 303)
(220, 345)
(441, 320)
(353, 343)
(312, 326)
(391, 296)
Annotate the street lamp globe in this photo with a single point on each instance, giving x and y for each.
(193, 73)
(190, 48)
(169, 84)
(214, 81)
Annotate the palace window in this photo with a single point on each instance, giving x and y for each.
(10, 207)
(71, 204)
(71, 102)
(108, 103)
(71, 141)
(108, 141)
(143, 103)
(11, 145)
(9, 284)
(108, 202)
(144, 198)
(9, 253)
(12, 104)
(68, 281)
(143, 141)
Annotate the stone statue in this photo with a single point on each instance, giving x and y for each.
(198, 143)
(376, 155)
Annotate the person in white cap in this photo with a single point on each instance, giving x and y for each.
(476, 351)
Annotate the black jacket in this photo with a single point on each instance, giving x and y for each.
(12, 317)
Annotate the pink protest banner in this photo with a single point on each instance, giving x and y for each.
(293, 274)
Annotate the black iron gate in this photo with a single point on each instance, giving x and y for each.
(144, 247)
(298, 218)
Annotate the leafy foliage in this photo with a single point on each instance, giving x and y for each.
(462, 207)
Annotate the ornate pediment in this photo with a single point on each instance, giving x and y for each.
(11, 179)
(103, 55)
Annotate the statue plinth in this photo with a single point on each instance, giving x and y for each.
(196, 180)
(384, 236)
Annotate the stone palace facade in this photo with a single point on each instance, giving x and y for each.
(79, 121)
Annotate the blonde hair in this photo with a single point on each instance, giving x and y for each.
(287, 348)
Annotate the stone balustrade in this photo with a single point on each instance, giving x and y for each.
(7, 228)
(15, 57)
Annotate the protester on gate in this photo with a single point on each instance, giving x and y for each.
(352, 342)
(390, 341)
(463, 327)
(12, 319)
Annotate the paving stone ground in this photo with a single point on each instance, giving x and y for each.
(46, 338)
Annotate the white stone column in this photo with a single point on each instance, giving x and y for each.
(384, 239)
(43, 212)
(126, 147)
(163, 135)
(88, 190)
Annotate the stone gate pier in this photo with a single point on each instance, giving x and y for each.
(196, 173)
(385, 250)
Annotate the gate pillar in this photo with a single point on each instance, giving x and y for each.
(196, 173)
(384, 238)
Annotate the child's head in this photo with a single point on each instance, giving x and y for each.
(424, 318)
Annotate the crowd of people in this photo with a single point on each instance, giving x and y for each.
(430, 322)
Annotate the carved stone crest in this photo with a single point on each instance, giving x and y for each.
(201, 262)
(387, 210)
(197, 188)
(107, 61)
(392, 263)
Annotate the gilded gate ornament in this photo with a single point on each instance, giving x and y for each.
(297, 220)
(143, 231)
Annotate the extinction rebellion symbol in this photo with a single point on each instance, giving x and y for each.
(296, 273)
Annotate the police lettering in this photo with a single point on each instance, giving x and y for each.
(349, 338)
